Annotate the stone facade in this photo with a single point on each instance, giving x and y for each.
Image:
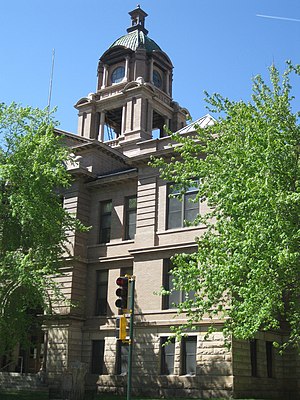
(111, 153)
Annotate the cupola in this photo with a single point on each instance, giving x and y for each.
(134, 91)
(135, 55)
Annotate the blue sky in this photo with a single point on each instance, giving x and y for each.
(215, 45)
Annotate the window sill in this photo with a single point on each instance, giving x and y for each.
(183, 229)
(164, 311)
(110, 244)
(128, 241)
(91, 246)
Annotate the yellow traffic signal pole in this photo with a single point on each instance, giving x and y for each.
(131, 311)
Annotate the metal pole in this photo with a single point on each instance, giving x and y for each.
(129, 375)
(50, 83)
(21, 366)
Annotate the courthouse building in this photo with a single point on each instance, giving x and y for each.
(135, 229)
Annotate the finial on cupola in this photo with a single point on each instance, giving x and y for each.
(138, 20)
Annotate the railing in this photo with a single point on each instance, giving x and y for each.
(13, 363)
(113, 142)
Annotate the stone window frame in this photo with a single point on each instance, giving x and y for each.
(270, 359)
(157, 74)
(253, 357)
(182, 205)
(97, 356)
(101, 304)
(177, 295)
(114, 68)
(184, 355)
(170, 354)
(128, 211)
(104, 217)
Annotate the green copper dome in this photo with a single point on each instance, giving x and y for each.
(135, 39)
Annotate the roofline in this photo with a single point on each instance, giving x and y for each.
(121, 175)
(85, 143)
(117, 173)
(194, 124)
(102, 146)
(72, 135)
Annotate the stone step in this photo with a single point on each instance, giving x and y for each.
(17, 381)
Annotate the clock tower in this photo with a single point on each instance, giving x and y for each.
(133, 101)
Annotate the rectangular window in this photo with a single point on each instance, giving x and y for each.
(97, 357)
(167, 356)
(270, 359)
(105, 221)
(184, 209)
(122, 358)
(61, 200)
(188, 354)
(130, 217)
(253, 357)
(176, 296)
(101, 292)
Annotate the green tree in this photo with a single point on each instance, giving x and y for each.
(33, 223)
(247, 268)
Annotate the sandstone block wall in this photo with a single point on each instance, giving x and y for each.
(213, 374)
(282, 384)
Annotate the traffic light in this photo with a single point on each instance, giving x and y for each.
(122, 293)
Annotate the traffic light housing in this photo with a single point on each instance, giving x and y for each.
(122, 293)
(121, 326)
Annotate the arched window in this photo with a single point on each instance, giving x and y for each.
(157, 79)
(118, 75)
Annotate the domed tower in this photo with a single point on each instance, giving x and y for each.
(134, 92)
